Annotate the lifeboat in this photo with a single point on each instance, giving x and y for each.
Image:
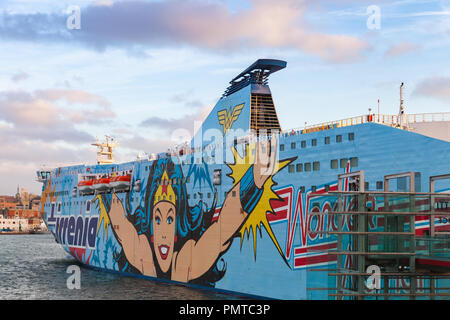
(120, 182)
(85, 186)
(101, 184)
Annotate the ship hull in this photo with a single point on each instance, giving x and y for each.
(233, 213)
(254, 260)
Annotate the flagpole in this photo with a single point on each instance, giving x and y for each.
(378, 109)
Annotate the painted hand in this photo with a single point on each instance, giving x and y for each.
(266, 158)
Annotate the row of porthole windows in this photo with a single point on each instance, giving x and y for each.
(343, 163)
(327, 140)
(86, 202)
(200, 195)
(60, 205)
(59, 193)
(174, 181)
(379, 186)
(209, 195)
(315, 166)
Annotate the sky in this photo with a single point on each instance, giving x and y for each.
(137, 70)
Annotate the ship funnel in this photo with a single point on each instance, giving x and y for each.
(246, 106)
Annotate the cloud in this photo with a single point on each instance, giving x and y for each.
(141, 144)
(40, 152)
(40, 127)
(434, 87)
(400, 49)
(203, 24)
(20, 76)
(71, 96)
(38, 115)
(184, 122)
(20, 159)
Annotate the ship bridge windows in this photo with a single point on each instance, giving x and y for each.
(334, 164)
(307, 166)
(351, 136)
(343, 163)
(316, 165)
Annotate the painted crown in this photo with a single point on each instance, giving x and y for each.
(165, 191)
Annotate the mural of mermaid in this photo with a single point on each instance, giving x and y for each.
(172, 240)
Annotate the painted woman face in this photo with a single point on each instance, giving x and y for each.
(164, 233)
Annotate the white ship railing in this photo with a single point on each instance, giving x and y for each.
(428, 117)
(391, 120)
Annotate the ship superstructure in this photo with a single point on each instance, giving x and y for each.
(246, 206)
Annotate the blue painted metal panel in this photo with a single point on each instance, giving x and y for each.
(277, 266)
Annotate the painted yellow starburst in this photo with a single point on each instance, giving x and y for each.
(258, 216)
(104, 218)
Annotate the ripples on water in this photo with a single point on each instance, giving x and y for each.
(34, 267)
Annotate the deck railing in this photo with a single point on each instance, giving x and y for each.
(390, 120)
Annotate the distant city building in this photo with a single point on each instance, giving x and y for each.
(14, 224)
(20, 212)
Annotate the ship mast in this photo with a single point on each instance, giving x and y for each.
(105, 150)
(401, 113)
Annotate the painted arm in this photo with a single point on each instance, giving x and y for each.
(136, 247)
(218, 237)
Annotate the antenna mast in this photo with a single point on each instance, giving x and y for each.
(401, 113)
(105, 150)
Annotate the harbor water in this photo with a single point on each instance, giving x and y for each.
(34, 267)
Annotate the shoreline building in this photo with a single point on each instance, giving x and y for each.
(20, 212)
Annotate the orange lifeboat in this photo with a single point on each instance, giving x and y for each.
(101, 184)
(120, 182)
(85, 186)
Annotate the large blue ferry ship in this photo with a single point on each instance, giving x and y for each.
(243, 206)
